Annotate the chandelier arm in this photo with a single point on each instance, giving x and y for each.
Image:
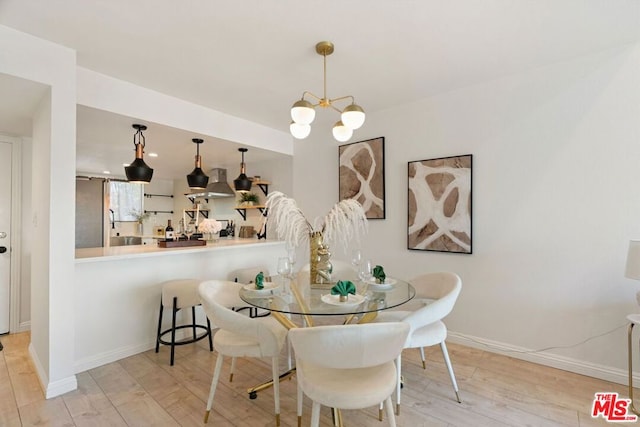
(310, 94)
(343, 98)
(332, 106)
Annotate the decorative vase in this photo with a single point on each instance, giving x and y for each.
(212, 237)
(343, 298)
(319, 259)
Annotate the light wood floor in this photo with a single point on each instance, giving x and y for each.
(143, 390)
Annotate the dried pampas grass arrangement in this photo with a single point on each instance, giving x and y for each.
(345, 222)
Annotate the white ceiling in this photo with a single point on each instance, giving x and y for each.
(254, 58)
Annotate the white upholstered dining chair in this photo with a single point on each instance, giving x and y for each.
(239, 335)
(436, 294)
(245, 276)
(347, 366)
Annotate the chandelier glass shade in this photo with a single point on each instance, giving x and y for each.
(303, 112)
(138, 171)
(197, 179)
(341, 132)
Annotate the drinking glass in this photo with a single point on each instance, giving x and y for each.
(284, 266)
(291, 255)
(284, 270)
(356, 258)
(364, 273)
(189, 230)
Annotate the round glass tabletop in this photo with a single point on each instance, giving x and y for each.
(289, 297)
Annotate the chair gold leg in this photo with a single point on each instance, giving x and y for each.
(424, 365)
(231, 377)
(397, 409)
(379, 414)
(630, 356)
(206, 417)
(299, 421)
(278, 420)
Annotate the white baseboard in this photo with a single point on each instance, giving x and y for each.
(111, 356)
(606, 373)
(24, 327)
(55, 388)
(62, 386)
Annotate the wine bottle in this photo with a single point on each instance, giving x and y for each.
(168, 232)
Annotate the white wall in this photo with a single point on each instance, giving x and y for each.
(107, 93)
(52, 335)
(555, 201)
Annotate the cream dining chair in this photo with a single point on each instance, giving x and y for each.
(347, 366)
(239, 335)
(245, 276)
(436, 294)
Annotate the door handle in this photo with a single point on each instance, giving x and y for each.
(3, 249)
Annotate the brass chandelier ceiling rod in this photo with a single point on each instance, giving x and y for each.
(303, 112)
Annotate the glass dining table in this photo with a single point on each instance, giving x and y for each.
(284, 297)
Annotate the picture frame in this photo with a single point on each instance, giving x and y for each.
(361, 175)
(439, 204)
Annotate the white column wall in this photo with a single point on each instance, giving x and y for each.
(52, 337)
(555, 201)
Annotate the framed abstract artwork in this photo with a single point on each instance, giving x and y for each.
(362, 175)
(439, 204)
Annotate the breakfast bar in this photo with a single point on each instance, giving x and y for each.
(117, 290)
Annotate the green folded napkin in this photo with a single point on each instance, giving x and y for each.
(343, 288)
(378, 274)
(260, 280)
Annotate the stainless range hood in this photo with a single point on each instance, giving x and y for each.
(218, 186)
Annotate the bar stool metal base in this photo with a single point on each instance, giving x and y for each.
(172, 330)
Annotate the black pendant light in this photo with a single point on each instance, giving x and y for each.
(138, 171)
(197, 179)
(242, 184)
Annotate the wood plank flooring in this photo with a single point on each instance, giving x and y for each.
(143, 390)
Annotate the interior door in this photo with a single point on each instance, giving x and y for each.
(5, 234)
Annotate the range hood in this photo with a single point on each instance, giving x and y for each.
(218, 186)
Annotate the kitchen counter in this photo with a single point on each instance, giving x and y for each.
(117, 291)
(126, 252)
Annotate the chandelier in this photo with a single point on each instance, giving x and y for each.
(303, 112)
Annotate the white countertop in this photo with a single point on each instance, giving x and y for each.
(127, 252)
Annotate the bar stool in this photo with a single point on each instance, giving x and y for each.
(179, 294)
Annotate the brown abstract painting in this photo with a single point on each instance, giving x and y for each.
(440, 204)
(362, 175)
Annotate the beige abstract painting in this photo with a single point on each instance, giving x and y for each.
(362, 175)
(440, 204)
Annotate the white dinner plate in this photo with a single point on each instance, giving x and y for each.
(270, 288)
(388, 284)
(352, 300)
